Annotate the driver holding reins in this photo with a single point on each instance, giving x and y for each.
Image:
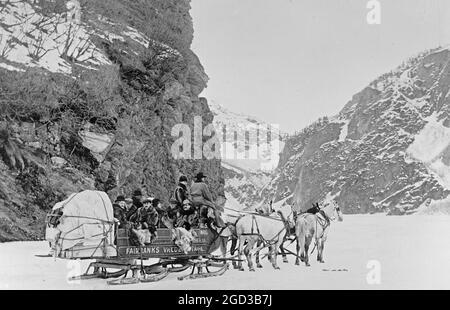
(202, 199)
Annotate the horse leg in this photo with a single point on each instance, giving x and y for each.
(233, 250)
(248, 254)
(322, 246)
(283, 252)
(241, 246)
(274, 252)
(307, 243)
(319, 249)
(223, 246)
(299, 246)
(258, 263)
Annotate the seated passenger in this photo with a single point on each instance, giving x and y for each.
(120, 211)
(187, 214)
(146, 218)
(180, 195)
(136, 205)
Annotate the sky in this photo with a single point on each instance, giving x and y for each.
(289, 62)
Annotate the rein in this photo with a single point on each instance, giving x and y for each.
(272, 241)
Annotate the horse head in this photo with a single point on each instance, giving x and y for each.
(287, 215)
(333, 211)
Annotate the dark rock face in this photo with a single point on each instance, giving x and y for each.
(362, 157)
(110, 128)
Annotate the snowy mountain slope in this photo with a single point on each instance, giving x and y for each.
(243, 188)
(31, 36)
(246, 141)
(250, 153)
(387, 150)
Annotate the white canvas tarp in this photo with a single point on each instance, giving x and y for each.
(87, 223)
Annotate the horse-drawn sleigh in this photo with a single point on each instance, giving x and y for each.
(85, 229)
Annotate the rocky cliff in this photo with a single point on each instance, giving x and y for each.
(88, 100)
(388, 149)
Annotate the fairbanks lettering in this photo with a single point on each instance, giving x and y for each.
(155, 250)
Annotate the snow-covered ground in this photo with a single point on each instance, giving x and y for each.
(410, 252)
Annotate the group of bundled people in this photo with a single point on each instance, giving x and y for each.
(189, 207)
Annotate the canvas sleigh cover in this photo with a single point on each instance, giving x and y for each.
(85, 228)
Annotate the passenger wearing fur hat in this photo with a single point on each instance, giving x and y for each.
(146, 217)
(120, 211)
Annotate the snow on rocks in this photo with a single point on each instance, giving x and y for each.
(10, 68)
(51, 42)
(435, 207)
(344, 132)
(429, 146)
(98, 144)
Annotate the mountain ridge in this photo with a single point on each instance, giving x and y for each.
(361, 156)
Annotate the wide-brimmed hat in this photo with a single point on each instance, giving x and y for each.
(200, 176)
(120, 198)
(137, 192)
(183, 178)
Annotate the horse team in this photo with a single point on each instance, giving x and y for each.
(271, 231)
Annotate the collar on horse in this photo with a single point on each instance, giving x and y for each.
(326, 219)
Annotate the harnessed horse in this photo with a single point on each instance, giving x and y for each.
(309, 226)
(271, 231)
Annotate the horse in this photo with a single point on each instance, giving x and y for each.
(271, 231)
(289, 232)
(309, 226)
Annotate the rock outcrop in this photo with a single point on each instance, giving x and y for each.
(97, 114)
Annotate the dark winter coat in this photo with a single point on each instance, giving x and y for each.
(181, 194)
(137, 204)
(201, 196)
(120, 214)
(200, 189)
(147, 218)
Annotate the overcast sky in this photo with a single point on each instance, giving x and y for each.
(290, 62)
